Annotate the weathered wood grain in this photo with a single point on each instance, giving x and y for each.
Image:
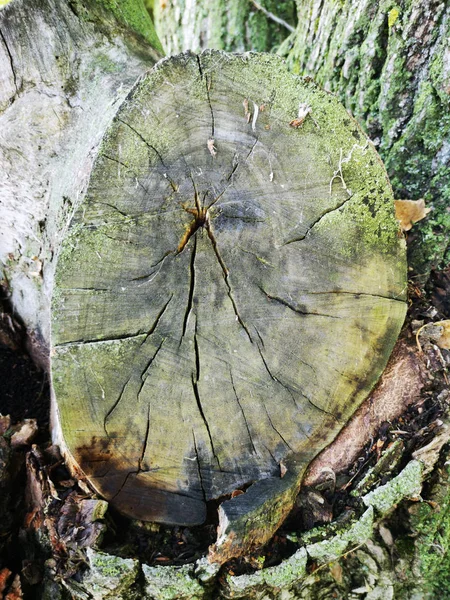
(228, 292)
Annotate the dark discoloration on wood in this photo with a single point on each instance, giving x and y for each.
(225, 298)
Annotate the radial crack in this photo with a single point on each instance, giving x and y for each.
(319, 408)
(191, 288)
(266, 365)
(158, 154)
(294, 309)
(316, 221)
(100, 340)
(11, 61)
(207, 86)
(158, 319)
(120, 163)
(276, 430)
(225, 273)
(200, 478)
(144, 374)
(353, 294)
(243, 413)
(114, 406)
(150, 276)
(194, 380)
(144, 445)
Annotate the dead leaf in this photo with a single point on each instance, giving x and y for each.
(409, 212)
(24, 433)
(336, 572)
(212, 149)
(437, 333)
(303, 111)
(4, 576)
(283, 469)
(15, 592)
(236, 493)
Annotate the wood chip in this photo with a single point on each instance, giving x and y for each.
(211, 147)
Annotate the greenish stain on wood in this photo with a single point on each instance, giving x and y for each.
(227, 294)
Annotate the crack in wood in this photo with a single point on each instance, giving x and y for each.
(157, 320)
(117, 402)
(243, 413)
(101, 340)
(195, 377)
(174, 186)
(276, 430)
(150, 276)
(204, 78)
(202, 414)
(316, 221)
(11, 62)
(225, 274)
(354, 294)
(113, 407)
(199, 470)
(293, 308)
(144, 445)
(119, 162)
(144, 373)
(111, 205)
(259, 336)
(191, 289)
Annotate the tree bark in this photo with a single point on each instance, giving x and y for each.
(235, 26)
(390, 66)
(66, 66)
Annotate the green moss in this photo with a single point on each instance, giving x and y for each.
(393, 16)
(134, 15)
(172, 583)
(282, 576)
(407, 484)
(109, 576)
(354, 534)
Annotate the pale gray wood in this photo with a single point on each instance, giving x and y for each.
(229, 290)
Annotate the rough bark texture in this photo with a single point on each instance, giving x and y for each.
(389, 63)
(66, 66)
(233, 25)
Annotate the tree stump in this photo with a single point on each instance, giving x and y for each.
(228, 292)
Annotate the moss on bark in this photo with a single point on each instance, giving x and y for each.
(389, 63)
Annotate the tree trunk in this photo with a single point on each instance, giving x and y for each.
(235, 26)
(56, 99)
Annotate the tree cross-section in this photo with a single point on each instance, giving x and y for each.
(228, 292)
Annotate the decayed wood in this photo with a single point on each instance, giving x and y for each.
(229, 291)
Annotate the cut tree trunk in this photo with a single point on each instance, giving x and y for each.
(226, 295)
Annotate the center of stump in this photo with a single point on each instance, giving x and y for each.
(201, 219)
